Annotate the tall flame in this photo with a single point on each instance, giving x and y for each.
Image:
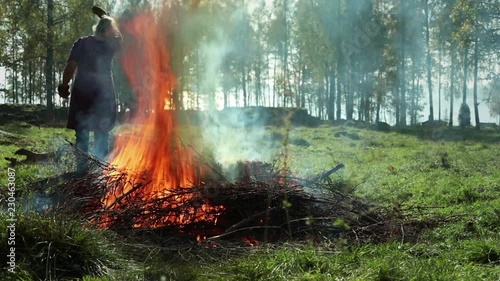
(152, 145)
(150, 149)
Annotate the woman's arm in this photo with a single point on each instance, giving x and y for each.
(69, 71)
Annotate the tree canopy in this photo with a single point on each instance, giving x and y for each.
(371, 60)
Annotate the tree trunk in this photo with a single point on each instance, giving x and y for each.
(40, 84)
(286, 79)
(412, 100)
(198, 78)
(377, 117)
(378, 99)
(416, 101)
(361, 100)
(267, 88)
(5, 89)
(13, 55)
(244, 85)
(302, 92)
(54, 81)
(429, 67)
(24, 95)
(464, 88)
(14, 84)
(403, 66)
(439, 77)
(30, 82)
(452, 85)
(339, 61)
(50, 54)
(476, 104)
(339, 96)
(258, 83)
(225, 98)
(15, 97)
(349, 98)
(178, 93)
(402, 99)
(368, 97)
(274, 82)
(331, 95)
(397, 110)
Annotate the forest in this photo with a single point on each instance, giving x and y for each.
(256, 140)
(402, 62)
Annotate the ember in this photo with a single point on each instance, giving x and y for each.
(250, 241)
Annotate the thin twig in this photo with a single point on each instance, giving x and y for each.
(245, 228)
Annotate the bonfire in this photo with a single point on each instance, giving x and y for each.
(155, 182)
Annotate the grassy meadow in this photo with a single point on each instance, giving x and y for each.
(445, 173)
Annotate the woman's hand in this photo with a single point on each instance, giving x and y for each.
(63, 91)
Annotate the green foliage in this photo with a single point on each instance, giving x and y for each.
(340, 223)
(23, 38)
(275, 53)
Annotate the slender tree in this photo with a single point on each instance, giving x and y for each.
(429, 60)
(402, 28)
(452, 84)
(439, 78)
(476, 62)
(49, 61)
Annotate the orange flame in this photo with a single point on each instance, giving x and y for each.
(150, 150)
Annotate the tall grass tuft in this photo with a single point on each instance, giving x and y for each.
(54, 247)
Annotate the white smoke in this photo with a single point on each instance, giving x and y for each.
(212, 54)
(230, 134)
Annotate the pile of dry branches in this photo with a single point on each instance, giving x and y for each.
(268, 206)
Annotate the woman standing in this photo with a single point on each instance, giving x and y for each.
(92, 105)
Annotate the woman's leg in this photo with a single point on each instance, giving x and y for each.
(101, 144)
(82, 144)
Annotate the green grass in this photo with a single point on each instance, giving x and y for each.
(449, 172)
(36, 139)
(390, 261)
(49, 247)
